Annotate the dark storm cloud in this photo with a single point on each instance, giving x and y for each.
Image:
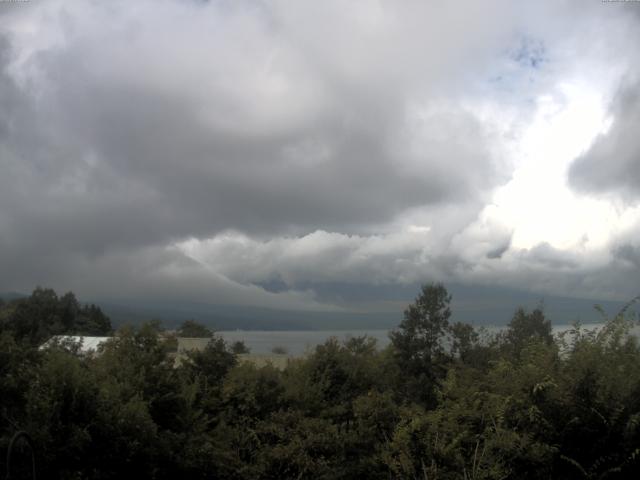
(546, 255)
(124, 130)
(612, 164)
(112, 145)
(627, 253)
(498, 252)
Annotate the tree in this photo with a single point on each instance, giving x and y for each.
(36, 318)
(92, 321)
(193, 329)
(251, 394)
(464, 340)
(418, 343)
(525, 328)
(212, 363)
(239, 347)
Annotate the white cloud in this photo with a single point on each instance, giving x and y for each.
(201, 149)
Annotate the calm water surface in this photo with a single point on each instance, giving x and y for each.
(299, 342)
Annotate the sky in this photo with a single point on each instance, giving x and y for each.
(262, 153)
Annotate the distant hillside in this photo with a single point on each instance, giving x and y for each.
(385, 304)
(8, 296)
(495, 306)
(474, 305)
(221, 317)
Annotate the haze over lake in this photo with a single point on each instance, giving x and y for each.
(299, 342)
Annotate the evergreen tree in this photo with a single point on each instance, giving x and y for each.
(419, 342)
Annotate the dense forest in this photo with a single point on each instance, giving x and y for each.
(443, 401)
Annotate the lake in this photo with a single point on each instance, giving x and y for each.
(299, 342)
(296, 342)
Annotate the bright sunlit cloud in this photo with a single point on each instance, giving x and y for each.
(537, 203)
